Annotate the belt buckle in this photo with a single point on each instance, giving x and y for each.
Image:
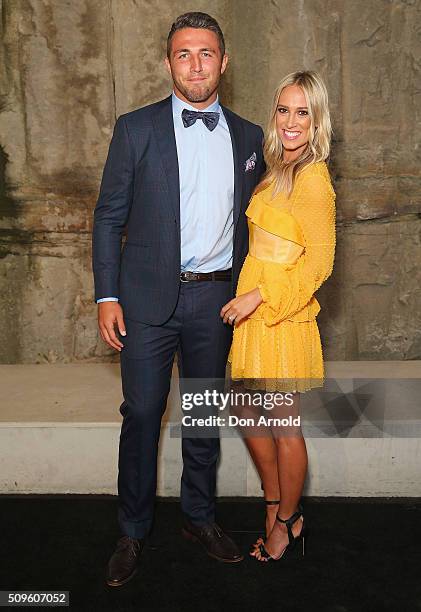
(184, 280)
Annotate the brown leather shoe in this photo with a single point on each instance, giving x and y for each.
(216, 543)
(123, 563)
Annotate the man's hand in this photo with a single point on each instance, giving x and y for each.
(110, 313)
(241, 307)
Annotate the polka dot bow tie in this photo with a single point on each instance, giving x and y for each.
(190, 117)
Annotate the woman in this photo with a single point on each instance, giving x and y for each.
(276, 343)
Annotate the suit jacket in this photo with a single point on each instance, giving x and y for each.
(140, 193)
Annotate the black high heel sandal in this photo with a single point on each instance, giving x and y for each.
(292, 540)
(261, 538)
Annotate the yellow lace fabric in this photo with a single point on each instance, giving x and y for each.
(291, 253)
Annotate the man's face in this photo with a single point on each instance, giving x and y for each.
(196, 65)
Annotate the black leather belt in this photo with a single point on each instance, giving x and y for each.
(219, 275)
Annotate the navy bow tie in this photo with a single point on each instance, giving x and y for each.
(209, 119)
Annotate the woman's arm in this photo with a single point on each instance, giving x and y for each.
(287, 291)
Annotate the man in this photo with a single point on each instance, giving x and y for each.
(178, 177)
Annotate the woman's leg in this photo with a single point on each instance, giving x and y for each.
(292, 469)
(264, 453)
(262, 448)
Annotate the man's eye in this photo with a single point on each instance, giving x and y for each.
(182, 55)
(206, 54)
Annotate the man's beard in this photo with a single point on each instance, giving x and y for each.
(196, 93)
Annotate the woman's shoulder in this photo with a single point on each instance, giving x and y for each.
(315, 175)
(316, 169)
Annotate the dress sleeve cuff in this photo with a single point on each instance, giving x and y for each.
(263, 292)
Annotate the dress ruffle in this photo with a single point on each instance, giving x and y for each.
(278, 222)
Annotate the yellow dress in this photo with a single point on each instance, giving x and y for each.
(291, 253)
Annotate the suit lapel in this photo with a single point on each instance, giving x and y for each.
(237, 141)
(163, 124)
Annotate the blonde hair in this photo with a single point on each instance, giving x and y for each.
(284, 173)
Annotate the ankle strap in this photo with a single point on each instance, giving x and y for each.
(290, 521)
(272, 502)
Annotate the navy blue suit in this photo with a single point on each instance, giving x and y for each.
(140, 195)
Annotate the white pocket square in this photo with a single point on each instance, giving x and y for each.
(250, 164)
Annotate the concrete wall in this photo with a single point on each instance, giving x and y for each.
(54, 440)
(68, 69)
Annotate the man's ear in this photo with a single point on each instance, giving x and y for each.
(224, 63)
(167, 65)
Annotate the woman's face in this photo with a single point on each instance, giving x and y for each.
(292, 121)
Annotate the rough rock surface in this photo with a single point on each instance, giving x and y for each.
(68, 68)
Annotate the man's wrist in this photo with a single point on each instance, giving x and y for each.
(107, 299)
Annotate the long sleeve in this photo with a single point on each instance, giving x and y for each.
(111, 212)
(286, 290)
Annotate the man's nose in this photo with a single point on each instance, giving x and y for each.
(196, 64)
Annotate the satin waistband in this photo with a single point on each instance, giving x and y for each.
(269, 247)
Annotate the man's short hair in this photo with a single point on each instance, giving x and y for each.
(196, 20)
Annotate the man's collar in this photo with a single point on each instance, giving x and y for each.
(178, 105)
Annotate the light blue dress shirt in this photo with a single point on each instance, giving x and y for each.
(206, 172)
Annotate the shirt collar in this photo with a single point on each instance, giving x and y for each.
(178, 106)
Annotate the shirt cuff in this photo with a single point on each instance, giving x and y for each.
(107, 299)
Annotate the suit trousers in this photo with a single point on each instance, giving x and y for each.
(197, 334)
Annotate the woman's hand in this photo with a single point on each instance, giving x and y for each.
(241, 307)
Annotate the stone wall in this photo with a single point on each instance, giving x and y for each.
(69, 68)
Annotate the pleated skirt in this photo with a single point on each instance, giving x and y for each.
(283, 357)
